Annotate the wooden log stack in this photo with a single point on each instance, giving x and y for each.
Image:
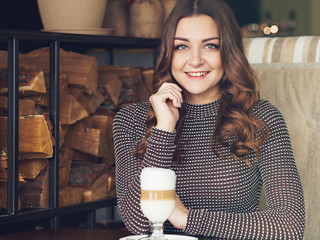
(90, 96)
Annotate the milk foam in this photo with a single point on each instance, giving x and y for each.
(158, 179)
(157, 211)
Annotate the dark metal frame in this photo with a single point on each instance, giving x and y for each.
(54, 40)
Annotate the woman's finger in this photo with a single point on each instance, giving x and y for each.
(174, 96)
(170, 85)
(171, 92)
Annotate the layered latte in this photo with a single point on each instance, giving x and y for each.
(157, 193)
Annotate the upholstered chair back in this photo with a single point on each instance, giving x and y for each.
(288, 69)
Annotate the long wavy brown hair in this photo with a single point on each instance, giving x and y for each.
(238, 86)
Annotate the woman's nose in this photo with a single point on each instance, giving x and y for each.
(195, 58)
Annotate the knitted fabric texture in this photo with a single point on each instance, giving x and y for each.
(222, 194)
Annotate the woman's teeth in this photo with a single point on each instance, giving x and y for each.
(197, 74)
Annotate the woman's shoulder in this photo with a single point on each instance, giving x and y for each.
(266, 111)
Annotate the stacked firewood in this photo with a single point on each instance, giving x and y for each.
(90, 95)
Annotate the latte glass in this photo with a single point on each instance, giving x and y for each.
(157, 197)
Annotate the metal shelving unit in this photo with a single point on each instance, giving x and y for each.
(15, 42)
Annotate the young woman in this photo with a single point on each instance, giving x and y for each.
(206, 122)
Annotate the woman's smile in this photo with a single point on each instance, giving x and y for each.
(197, 74)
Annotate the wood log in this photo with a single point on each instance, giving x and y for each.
(121, 71)
(31, 82)
(40, 100)
(98, 190)
(133, 89)
(127, 97)
(63, 130)
(3, 196)
(3, 59)
(35, 192)
(94, 100)
(89, 101)
(30, 168)
(71, 110)
(85, 139)
(70, 196)
(64, 88)
(81, 157)
(3, 158)
(4, 166)
(35, 136)
(105, 108)
(81, 69)
(26, 106)
(104, 123)
(148, 79)
(4, 176)
(66, 156)
(111, 181)
(142, 90)
(43, 99)
(79, 95)
(110, 85)
(85, 174)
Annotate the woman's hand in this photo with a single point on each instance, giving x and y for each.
(180, 215)
(165, 104)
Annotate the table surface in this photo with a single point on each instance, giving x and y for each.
(73, 234)
(68, 234)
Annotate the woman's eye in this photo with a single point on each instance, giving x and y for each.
(180, 47)
(212, 46)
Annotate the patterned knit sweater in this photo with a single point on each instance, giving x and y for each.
(222, 194)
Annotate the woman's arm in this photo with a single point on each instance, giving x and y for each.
(129, 129)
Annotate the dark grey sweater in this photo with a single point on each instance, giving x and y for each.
(221, 193)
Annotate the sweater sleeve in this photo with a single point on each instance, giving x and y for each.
(128, 131)
(285, 217)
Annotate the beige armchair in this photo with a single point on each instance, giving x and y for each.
(288, 69)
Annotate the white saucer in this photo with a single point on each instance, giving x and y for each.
(168, 237)
(87, 31)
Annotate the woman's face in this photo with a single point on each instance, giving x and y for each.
(196, 61)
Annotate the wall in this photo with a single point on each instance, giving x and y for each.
(20, 15)
(246, 11)
(315, 17)
(280, 11)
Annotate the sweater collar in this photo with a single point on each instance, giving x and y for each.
(202, 110)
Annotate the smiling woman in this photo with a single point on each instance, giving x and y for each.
(207, 122)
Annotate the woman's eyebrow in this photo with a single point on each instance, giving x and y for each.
(210, 39)
(181, 39)
(204, 40)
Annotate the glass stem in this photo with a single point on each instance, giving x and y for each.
(157, 232)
